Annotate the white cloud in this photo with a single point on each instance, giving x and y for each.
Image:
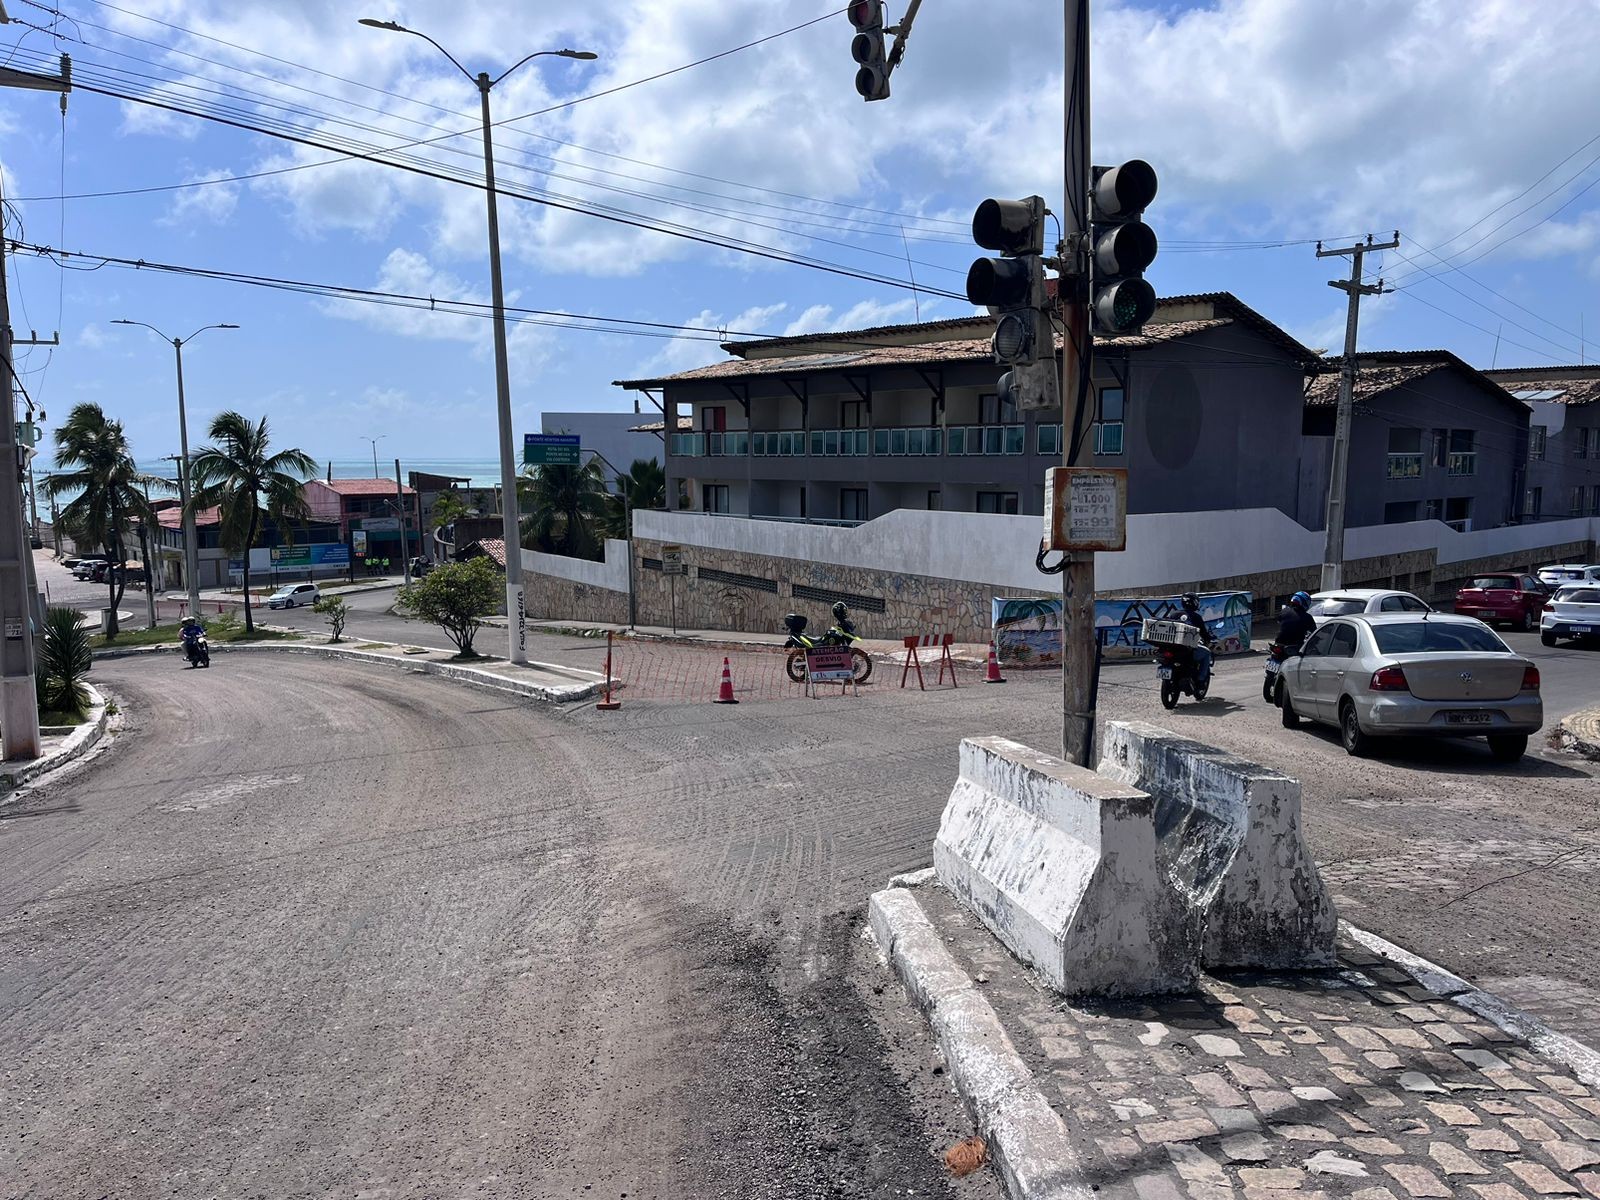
(214, 203)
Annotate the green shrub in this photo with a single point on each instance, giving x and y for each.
(64, 659)
(456, 597)
(335, 611)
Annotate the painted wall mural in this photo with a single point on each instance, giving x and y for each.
(1028, 631)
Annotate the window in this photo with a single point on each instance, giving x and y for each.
(714, 418)
(1441, 441)
(1463, 458)
(714, 497)
(997, 502)
(1343, 642)
(1437, 637)
(1318, 645)
(1400, 512)
(1577, 501)
(992, 410)
(852, 504)
(1532, 502)
(803, 499)
(1536, 441)
(1108, 426)
(1433, 510)
(1049, 439)
(1458, 513)
(1583, 443)
(933, 500)
(1405, 453)
(853, 414)
(1391, 604)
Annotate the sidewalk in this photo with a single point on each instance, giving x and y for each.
(1579, 733)
(1354, 1082)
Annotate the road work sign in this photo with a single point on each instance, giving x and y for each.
(830, 664)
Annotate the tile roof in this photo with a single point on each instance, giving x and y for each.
(494, 548)
(363, 487)
(684, 423)
(927, 354)
(1570, 385)
(172, 518)
(1380, 371)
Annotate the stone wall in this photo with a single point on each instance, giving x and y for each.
(556, 599)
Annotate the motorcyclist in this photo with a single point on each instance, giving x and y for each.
(1202, 653)
(188, 632)
(1295, 622)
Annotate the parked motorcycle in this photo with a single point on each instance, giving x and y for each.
(1276, 654)
(1175, 667)
(196, 648)
(843, 633)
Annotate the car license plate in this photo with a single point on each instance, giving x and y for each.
(1580, 629)
(1163, 672)
(1273, 668)
(1466, 718)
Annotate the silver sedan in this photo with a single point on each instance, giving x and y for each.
(1409, 674)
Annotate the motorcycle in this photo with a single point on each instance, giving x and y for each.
(1277, 653)
(842, 634)
(1175, 667)
(197, 649)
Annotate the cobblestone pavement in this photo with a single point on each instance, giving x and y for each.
(1356, 1082)
(1580, 733)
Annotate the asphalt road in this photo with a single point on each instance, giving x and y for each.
(313, 928)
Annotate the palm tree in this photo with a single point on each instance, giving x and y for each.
(564, 507)
(239, 478)
(96, 468)
(645, 486)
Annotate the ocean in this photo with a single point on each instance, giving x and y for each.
(483, 472)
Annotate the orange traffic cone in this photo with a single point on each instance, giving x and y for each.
(725, 692)
(993, 675)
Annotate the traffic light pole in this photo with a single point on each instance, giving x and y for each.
(1339, 466)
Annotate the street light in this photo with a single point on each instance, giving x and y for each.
(191, 557)
(511, 518)
(375, 441)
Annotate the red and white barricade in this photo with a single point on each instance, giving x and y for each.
(929, 641)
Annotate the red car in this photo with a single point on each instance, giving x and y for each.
(1508, 597)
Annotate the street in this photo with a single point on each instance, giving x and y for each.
(394, 937)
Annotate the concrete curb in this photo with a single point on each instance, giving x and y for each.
(1027, 1139)
(78, 743)
(460, 674)
(1579, 733)
(1583, 1061)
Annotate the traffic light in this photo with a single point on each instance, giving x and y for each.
(1121, 246)
(1013, 288)
(867, 48)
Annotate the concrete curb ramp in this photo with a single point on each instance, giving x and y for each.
(583, 690)
(78, 743)
(1030, 1144)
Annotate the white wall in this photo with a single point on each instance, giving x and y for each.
(1162, 547)
(612, 573)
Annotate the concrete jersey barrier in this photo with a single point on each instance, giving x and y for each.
(1060, 862)
(1230, 847)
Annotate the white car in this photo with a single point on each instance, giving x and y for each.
(292, 595)
(1560, 575)
(1573, 612)
(1347, 602)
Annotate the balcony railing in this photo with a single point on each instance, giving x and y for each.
(1463, 463)
(910, 441)
(1405, 466)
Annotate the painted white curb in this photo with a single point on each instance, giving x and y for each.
(1583, 1061)
(1027, 1138)
(77, 744)
(461, 674)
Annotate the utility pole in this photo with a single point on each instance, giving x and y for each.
(1077, 581)
(1339, 467)
(400, 507)
(19, 708)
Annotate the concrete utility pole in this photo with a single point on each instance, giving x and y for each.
(1339, 467)
(400, 507)
(19, 708)
(1077, 608)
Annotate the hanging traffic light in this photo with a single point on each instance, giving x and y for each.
(1013, 288)
(867, 48)
(1121, 246)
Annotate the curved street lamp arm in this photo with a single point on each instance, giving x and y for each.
(536, 54)
(203, 328)
(146, 325)
(396, 27)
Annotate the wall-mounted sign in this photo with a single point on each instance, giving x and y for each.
(672, 561)
(1086, 508)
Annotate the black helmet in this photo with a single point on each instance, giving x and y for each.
(839, 610)
(1190, 600)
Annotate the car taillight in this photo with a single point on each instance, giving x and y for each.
(1389, 679)
(1549, 607)
(1530, 678)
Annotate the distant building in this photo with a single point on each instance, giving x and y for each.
(1563, 439)
(612, 434)
(1432, 439)
(385, 521)
(215, 566)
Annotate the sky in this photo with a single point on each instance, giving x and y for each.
(1467, 125)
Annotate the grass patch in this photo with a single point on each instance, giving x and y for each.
(222, 629)
(372, 646)
(53, 717)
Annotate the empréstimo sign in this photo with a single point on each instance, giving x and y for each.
(1086, 508)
